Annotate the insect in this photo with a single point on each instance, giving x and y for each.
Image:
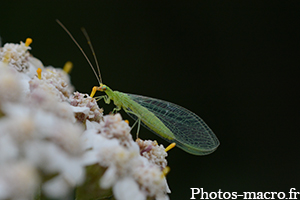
(171, 122)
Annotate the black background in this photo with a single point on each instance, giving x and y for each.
(234, 63)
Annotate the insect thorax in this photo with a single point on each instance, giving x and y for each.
(120, 99)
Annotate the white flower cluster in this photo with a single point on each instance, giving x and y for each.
(85, 108)
(16, 56)
(153, 152)
(38, 135)
(131, 175)
(49, 135)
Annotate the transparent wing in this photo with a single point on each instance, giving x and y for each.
(191, 133)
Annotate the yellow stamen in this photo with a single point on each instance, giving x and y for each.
(28, 42)
(171, 146)
(39, 73)
(126, 121)
(165, 171)
(138, 140)
(68, 67)
(94, 90)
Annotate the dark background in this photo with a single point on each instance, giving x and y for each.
(234, 63)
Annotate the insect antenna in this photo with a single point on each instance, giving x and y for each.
(71, 36)
(93, 52)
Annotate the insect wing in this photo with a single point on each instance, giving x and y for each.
(191, 133)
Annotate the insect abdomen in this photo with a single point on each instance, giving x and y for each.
(150, 120)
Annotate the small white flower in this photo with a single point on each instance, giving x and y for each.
(45, 84)
(52, 159)
(43, 99)
(113, 126)
(18, 181)
(9, 151)
(128, 189)
(155, 153)
(10, 85)
(85, 107)
(18, 122)
(151, 180)
(60, 79)
(57, 187)
(17, 55)
(109, 178)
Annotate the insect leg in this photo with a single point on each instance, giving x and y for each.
(99, 97)
(106, 99)
(138, 128)
(134, 124)
(138, 131)
(117, 108)
(137, 121)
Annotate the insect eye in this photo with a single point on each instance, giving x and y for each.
(104, 87)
